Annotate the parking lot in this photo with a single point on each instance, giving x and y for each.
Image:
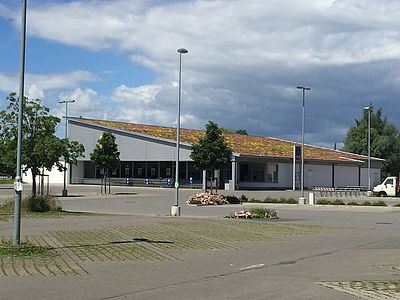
(134, 250)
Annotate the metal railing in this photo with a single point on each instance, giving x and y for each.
(348, 191)
(141, 182)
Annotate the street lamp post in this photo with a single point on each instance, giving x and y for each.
(175, 209)
(18, 177)
(65, 191)
(302, 199)
(368, 109)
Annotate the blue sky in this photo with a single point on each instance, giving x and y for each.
(118, 60)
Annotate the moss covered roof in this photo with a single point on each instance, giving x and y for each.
(242, 144)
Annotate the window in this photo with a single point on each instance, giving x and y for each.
(152, 169)
(272, 173)
(252, 172)
(258, 172)
(127, 169)
(88, 169)
(139, 169)
(389, 181)
(166, 169)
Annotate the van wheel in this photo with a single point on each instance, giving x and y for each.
(382, 194)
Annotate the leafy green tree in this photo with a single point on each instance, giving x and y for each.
(105, 155)
(242, 131)
(6, 159)
(239, 131)
(211, 151)
(385, 141)
(41, 148)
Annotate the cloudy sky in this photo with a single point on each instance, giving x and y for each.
(118, 59)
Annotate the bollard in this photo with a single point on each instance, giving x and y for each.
(311, 199)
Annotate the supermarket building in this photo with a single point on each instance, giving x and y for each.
(147, 155)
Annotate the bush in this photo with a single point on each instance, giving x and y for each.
(379, 203)
(366, 203)
(337, 202)
(243, 198)
(324, 202)
(34, 204)
(396, 205)
(281, 200)
(254, 200)
(41, 204)
(232, 199)
(290, 201)
(271, 200)
(353, 203)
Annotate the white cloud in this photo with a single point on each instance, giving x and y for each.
(322, 32)
(37, 84)
(86, 101)
(138, 95)
(245, 59)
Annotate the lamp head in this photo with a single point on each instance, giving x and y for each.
(182, 50)
(303, 88)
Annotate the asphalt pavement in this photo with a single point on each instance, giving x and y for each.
(357, 244)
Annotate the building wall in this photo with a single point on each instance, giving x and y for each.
(346, 176)
(317, 175)
(54, 176)
(132, 147)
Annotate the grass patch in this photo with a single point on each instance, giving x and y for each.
(375, 203)
(263, 213)
(281, 200)
(330, 202)
(24, 250)
(6, 181)
(352, 203)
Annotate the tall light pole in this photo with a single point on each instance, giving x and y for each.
(176, 210)
(302, 199)
(18, 177)
(368, 109)
(65, 191)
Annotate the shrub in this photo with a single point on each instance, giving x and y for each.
(352, 203)
(337, 202)
(254, 200)
(41, 204)
(324, 202)
(34, 204)
(290, 201)
(232, 199)
(271, 200)
(396, 205)
(366, 203)
(379, 203)
(243, 198)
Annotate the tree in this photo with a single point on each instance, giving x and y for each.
(41, 148)
(385, 141)
(105, 155)
(211, 151)
(239, 131)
